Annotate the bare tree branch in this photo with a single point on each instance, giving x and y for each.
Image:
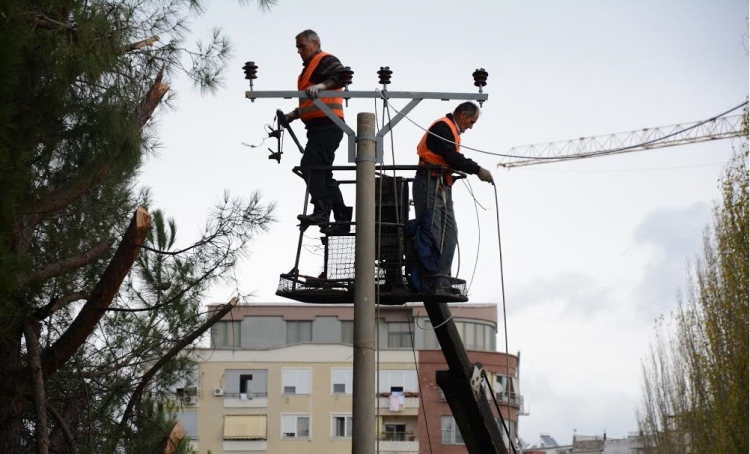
(37, 385)
(63, 426)
(54, 356)
(187, 340)
(153, 98)
(137, 45)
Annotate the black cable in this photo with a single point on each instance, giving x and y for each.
(500, 414)
(587, 155)
(419, 384)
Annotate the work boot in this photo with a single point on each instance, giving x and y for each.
(343, 214)
(321, 213)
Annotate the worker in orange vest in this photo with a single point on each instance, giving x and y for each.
(321, 71)
(432, 190)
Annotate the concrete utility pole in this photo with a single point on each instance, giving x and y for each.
(363, 405)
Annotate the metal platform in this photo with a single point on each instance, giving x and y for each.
(308, 289)
(396, 266)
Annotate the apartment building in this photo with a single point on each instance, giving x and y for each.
(278, 379)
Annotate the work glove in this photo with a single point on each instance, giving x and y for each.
(312, 92)
(291, 116)
(485, 175)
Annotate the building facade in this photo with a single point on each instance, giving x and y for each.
(278, 379)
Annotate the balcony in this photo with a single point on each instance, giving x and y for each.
(398, 442)
(511, 398)
(411, 401)
(245, 400)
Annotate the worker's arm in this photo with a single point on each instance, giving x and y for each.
(447, 149)
(328, 73)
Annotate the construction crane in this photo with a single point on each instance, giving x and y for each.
(723, 126)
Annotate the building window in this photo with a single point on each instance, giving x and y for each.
(295, 426)
(428, 333)
(245, 383)
(225, 334)
(395, 432)
(296, 381)
(347, 332)
(245, 427)
(451, 434)
(341, 426)
(476, 336)
(341, 381)
(298, 331)
(399, 335)
(189, 423)
(398, 381)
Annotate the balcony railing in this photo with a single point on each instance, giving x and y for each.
(247, 396)
(510, 397)
(397, 436)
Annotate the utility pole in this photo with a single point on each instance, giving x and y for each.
(462, 384)
(363, 405)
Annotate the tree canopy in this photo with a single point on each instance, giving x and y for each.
(97, 306)
(695, 378)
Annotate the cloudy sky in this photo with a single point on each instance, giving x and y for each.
(593, 250)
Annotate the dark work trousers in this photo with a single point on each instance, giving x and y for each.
(430, 193)
(319, 151)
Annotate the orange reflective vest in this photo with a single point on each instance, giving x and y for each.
(307, 108)
(426, 156)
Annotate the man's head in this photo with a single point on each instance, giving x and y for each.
(465, 115)
(308, 44)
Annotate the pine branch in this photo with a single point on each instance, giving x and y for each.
(63, 427)
(140, 44)
(58, 303)
(100, 169)
(56, 355)
(37, 385)
(66, 266)
(177, 348)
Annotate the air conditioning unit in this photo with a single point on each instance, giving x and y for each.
(190, 400)
(218, 392)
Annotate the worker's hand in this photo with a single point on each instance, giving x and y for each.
(291, 116)
(485, 175)
(312, 92)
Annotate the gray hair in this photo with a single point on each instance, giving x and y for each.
(468, 108)
(309, 35)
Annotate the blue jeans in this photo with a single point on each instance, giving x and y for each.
(430, 193)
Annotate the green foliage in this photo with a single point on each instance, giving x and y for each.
(695, 379)
(79, 80)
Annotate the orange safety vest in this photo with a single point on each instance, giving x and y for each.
(307, 108)
(426, 156)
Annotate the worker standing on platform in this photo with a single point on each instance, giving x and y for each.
(321, 71)
(432, 188)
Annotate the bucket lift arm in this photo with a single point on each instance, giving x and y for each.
(462, 387)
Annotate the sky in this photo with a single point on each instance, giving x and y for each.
(593, 251)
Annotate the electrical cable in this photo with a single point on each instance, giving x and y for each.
(419, 383)
(581, 156)
(502, 284)
(386, 108)
(500, 414)
(642, 144)
(479, 235)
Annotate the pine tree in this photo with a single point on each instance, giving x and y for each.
(82, 360)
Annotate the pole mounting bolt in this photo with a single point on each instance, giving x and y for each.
(385, 75)
(251, 70)
(345, 76)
